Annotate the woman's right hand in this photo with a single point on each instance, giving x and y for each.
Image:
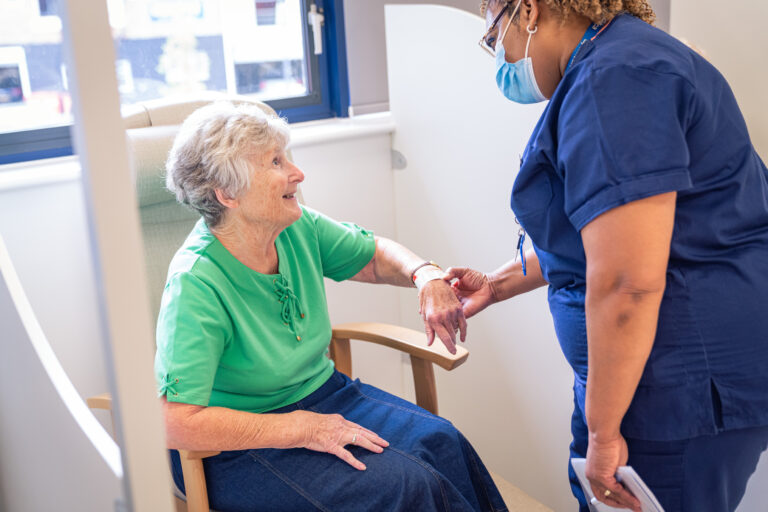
(330, 433)
(472, 288)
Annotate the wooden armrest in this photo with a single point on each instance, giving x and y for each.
(401, 338)
(102, 401)
(406, 340)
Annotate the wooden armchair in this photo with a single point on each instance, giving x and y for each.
(400, 338)
(151, 128)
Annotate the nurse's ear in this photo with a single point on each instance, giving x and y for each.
(530, 10)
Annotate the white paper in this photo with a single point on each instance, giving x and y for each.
(627, 476)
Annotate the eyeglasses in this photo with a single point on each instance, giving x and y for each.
(488, 43)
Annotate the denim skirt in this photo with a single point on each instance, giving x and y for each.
(428, 466)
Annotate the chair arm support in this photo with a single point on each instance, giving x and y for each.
(194, 455)
(401, 338)
(102, 401)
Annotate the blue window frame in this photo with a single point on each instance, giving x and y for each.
(328, 91)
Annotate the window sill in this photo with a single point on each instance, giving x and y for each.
(36, 173)
(312, 133)
(57, 170)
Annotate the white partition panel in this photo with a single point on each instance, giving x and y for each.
(462, 142)
(55, 454)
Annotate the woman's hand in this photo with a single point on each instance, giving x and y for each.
(330, 433)
(472, 288)
(603, 459)
(442, 314)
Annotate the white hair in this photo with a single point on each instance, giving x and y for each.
(214, 149)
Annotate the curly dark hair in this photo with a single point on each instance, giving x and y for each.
(597, 11)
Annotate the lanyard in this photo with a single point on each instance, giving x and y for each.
(591, 34)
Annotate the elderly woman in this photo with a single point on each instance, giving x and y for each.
(647, 206)
(243, 335)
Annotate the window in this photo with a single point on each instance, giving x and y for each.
(263, 48)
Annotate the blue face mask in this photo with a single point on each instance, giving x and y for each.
(516, 80)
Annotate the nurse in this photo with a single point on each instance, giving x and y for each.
(647, 207)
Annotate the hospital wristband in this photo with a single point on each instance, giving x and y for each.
(427, 273)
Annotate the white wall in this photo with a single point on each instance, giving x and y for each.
(734, 39)
(366, 51)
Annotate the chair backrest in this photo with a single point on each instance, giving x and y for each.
(151, 128)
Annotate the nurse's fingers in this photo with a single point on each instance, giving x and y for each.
(455, 273)
(615, 495)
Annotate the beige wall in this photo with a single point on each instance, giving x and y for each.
(367, 55)
(735, 41)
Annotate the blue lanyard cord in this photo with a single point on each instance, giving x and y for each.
(592, 31)
(519, 251)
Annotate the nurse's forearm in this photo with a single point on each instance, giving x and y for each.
(508, 280)
(621, 327)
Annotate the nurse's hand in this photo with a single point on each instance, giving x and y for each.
(442, 314)
(472, 288)
(603, 460)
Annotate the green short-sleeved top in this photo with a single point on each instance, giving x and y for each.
(232, 337)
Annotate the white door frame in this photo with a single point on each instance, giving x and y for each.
(116, 243)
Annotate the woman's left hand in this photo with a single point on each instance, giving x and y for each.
(442, 314)
(604, 457)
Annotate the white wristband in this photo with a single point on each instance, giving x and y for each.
(426, 274)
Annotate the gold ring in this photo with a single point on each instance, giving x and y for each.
(607, 493)
(354, 438)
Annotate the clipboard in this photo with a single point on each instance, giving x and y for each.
(629, 478)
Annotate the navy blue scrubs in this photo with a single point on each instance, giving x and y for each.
(639, 114)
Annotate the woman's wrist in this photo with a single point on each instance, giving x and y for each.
(426, 272)
(290, 429)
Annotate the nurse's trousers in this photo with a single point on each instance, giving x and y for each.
(702, 474)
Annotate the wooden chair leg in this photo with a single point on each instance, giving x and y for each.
(194, 482)
(424, 382)
(341, 353)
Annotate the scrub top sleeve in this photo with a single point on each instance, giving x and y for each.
(192, 331)
(621, 137)
(345, 248)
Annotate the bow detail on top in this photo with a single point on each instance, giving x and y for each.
(291, 307)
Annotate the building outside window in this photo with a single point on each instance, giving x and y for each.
(164, 48)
